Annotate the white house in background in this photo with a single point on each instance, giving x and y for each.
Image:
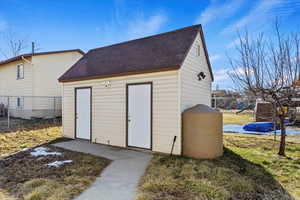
(28, 83)
(132, 94)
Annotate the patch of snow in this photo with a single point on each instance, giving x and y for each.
(58, 163)
(25, 149)
(42, 151)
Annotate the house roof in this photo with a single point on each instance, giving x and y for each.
(156, 53)
(36, 54)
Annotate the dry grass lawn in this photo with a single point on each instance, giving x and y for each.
(27, 136)
(23, 177)
(250, 169)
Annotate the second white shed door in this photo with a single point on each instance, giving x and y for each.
(139, 115)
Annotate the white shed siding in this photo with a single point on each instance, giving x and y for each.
(109, 109)
(194, 91)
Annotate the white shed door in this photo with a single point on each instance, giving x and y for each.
(83, 113)
(139, 115)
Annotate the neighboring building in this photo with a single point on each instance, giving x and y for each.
(219, 93)
(29, 85)
(227, 100)
(132, 94)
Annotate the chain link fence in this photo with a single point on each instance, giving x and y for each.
(230, 103)
(19, 110)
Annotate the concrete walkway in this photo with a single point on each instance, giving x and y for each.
(120, 179)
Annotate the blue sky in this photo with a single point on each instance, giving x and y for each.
(86, 24)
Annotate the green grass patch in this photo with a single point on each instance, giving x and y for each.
(242, 118)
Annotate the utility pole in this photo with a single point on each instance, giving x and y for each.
(32, 48)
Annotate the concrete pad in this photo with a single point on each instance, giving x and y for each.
(120, 179)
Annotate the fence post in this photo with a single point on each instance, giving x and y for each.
(8, 117)
(54, 108)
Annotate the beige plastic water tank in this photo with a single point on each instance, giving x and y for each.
(202, 132)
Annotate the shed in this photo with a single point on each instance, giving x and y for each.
(263, 112)
(132, 94)
(202, 132)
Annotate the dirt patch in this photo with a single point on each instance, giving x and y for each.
(24, 176)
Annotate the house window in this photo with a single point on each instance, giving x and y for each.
(198, 50)
(20, 102)
(20, 71)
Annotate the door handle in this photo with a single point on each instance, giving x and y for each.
(129, 120)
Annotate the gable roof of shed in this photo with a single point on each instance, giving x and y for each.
(156, 53)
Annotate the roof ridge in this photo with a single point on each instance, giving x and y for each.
(151, 36)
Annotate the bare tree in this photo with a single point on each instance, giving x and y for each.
(12, 44)
(269, 67)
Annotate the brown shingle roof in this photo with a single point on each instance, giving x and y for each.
(161, 52)
(37, 54)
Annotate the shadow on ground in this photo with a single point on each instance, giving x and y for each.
(27, 125)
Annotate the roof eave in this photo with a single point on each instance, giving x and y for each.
(62, 80)
(206, 53)
(16, 58)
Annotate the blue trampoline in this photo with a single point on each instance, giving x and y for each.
(259, 127)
